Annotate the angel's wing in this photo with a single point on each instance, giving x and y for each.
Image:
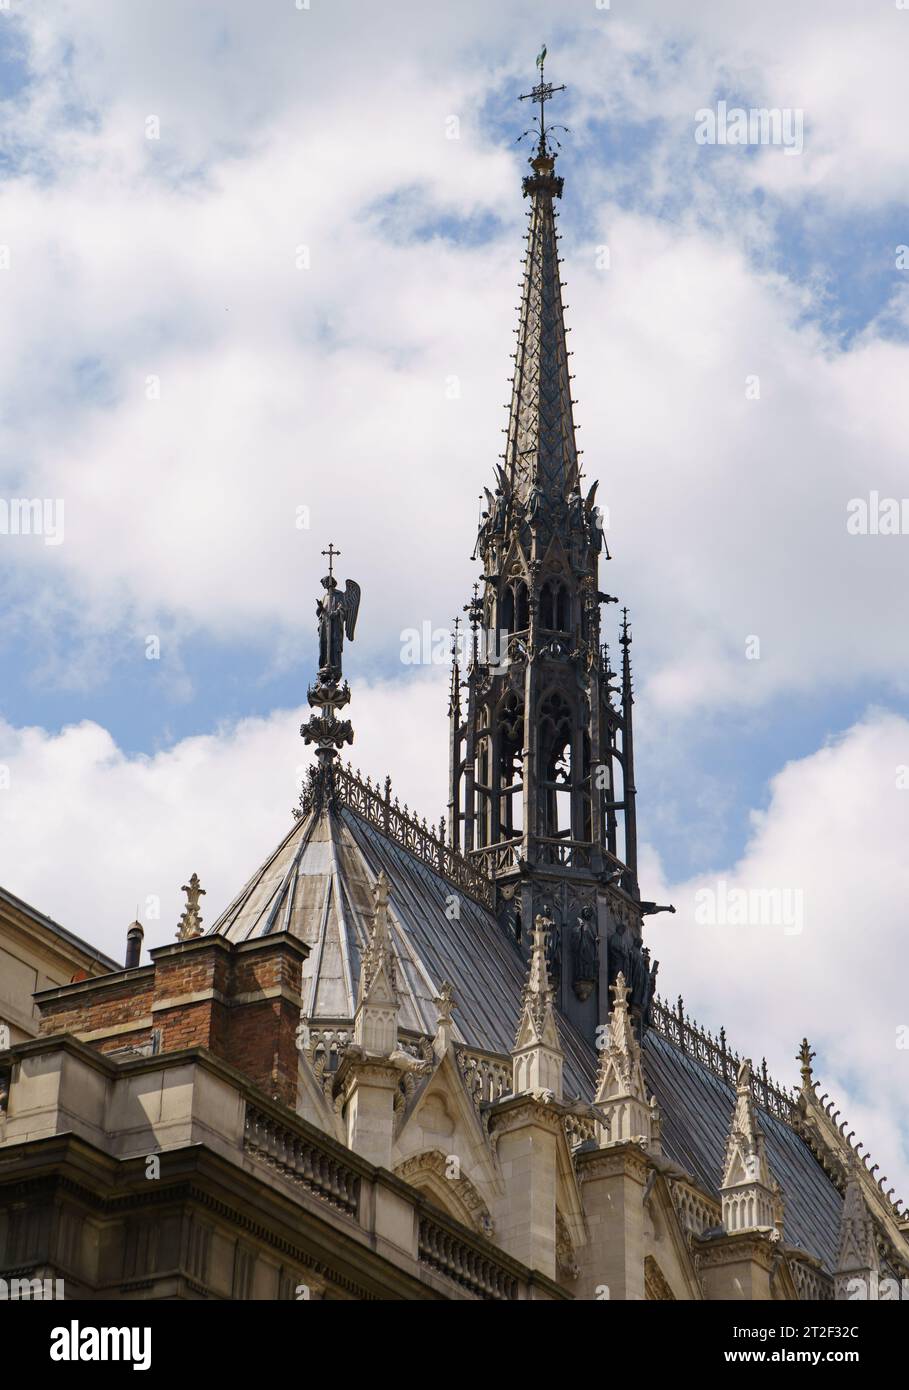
(591, 495)
(489, 500)
(351, 607)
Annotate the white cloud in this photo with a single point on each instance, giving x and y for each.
(835, 830)
(326, 387)
(88, 832)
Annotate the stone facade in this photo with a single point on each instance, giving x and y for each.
(196, 1151)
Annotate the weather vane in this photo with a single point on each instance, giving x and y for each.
(542, 92)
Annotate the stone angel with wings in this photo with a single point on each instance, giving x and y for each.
(337, 614)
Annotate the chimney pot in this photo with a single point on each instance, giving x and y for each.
(134, 936)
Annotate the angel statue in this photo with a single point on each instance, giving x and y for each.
(337, 614)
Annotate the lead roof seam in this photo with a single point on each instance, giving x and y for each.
(342, 918)
(317, 962)
(282, 886)
(232, 910)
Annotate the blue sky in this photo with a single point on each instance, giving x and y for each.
(174, 261)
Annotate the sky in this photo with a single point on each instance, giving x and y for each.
(259, 265)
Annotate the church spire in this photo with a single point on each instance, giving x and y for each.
(541, 784)
(541, 459)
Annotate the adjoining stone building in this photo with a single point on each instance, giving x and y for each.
(409, 1062)
(36, 953)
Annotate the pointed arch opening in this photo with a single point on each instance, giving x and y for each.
(511, 765)
(555, 606)
(514, 607)
(555, 762)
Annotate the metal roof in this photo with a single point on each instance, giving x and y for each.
(696, 1107)
(318, 884)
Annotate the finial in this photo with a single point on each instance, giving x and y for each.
(337, 614)
(474, 611)
(376, 1017)
(620, 992)
(191, 920)
(536, 1056)
(806, 1056)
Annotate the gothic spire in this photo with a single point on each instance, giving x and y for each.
(537, 1053)
(541, 451)
(747, 1189)
(621, 1093)
(541, 775)
(378, 1001)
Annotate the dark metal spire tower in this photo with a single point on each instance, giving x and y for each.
(542, 781)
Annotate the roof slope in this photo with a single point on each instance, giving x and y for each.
(696, 1108)
(318, 884)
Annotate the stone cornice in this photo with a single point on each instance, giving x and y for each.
(732, 1249)
(514, 1112)
(615, 1160)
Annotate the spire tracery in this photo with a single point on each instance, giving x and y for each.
(541, 770)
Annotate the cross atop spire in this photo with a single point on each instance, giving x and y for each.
(544, 91)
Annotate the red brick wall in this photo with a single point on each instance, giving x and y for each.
(107, 1002)
(256, 1035)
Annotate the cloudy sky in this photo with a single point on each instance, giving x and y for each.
(259, 269)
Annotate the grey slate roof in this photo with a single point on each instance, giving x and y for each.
(318, 884)
(471, 951)
(696, 1107)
